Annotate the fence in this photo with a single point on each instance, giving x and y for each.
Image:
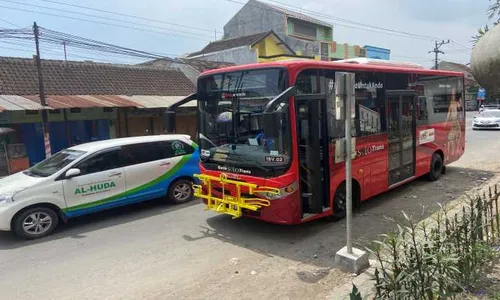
(440, 259)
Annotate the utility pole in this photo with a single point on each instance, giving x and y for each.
(64, 47)
(437, 51)
(43, 100)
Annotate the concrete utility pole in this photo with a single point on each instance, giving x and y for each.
(437, 51)
(43, 100)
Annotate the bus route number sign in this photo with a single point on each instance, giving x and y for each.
(274, 159)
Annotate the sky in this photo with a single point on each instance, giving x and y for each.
(203, 20)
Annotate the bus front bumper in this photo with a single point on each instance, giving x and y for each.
(231, 197)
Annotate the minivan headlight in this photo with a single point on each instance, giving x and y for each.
(6, 197)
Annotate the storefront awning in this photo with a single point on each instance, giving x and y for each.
(32, 102)
(13, 102)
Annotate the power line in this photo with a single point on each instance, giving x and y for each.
(51, 37)
(98, 22)
(101, 17)
(58, 53)
(127, 15)
(12, 24)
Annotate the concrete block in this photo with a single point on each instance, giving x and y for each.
(355, 263)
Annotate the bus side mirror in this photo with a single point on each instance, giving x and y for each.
(170, 121)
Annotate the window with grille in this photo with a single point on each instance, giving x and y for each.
(304, 29)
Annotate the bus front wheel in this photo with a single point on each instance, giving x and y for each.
(437, 167)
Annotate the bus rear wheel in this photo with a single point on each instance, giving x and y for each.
(437, 167)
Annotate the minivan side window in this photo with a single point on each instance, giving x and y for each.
(176, 148)
(147, 152)
(141, 153)
(101, 162)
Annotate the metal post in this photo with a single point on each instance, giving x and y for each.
(348, 166)
(65, 56)
(6, 157)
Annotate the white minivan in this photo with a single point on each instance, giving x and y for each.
(96, 176)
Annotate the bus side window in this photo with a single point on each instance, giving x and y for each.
(370, 103)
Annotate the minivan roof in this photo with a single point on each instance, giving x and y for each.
(101, 145)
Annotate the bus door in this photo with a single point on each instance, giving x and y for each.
(402, 138)
(313, 153)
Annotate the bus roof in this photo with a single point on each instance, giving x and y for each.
(345, 65)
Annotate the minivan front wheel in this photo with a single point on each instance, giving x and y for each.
(35, 222)
(181, 191)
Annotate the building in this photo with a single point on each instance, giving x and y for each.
(377, 52)
(192, 68)
(306, 36)
(260, 47)
(87, 101)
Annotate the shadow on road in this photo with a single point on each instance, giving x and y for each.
(77, 228)
(316, 242)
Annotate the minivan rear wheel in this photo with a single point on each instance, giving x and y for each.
(35, 222)
(181, 191)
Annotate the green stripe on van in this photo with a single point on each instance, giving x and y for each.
(176, 168)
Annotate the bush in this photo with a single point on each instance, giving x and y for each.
(436, 260)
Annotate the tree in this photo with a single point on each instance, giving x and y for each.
(493, 12)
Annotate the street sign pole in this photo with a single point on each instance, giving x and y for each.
(348, 258)
(348, 160)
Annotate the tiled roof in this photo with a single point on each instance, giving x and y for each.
(199, 65)
(19, 76)
(291, 13)
(231, 43)
(204, 65)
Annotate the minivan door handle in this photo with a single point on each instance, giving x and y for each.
(164, 164)
(115, 174)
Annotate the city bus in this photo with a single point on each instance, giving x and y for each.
(272, 146)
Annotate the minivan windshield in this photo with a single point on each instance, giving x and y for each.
(54, 163)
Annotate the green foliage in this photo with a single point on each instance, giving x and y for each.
(436, 261)
(492, 12)
(355, 295)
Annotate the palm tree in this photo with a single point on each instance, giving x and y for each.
(492, 12)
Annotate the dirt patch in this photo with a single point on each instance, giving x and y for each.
(488, 285)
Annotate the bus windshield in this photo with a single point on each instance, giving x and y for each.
(235, 132)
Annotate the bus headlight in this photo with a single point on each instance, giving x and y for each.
(283, 192)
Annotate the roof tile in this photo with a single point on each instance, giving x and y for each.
(19, 76)
(231, 43)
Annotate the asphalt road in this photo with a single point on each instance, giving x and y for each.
(157, 251)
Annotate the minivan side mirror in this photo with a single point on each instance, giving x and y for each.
(72, 173)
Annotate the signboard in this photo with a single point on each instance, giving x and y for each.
(481, 94)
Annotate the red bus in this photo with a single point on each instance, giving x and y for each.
(271, 147)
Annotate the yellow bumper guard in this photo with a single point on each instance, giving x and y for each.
(227, 204)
